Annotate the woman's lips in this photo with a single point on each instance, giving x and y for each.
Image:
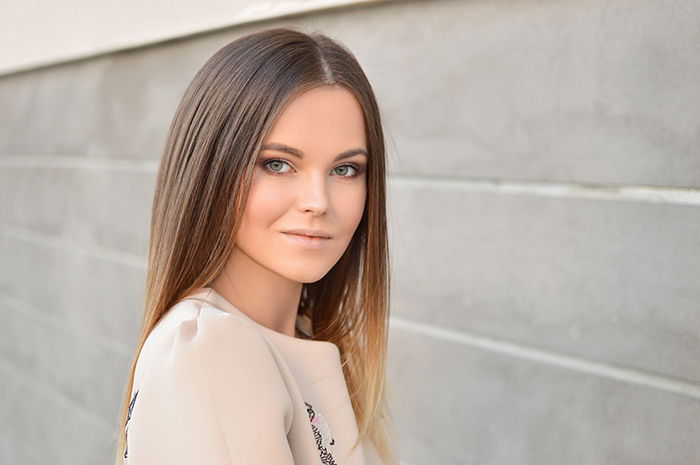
(307, 241)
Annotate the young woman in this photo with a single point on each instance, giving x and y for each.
(266, 315)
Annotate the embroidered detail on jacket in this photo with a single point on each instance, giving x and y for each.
(322, 434)
(126, 425)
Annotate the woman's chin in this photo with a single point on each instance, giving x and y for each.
(306, 275)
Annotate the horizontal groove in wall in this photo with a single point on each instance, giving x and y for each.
(55, 396)
(615, 192)
(73, 246)
(256, 12)
(569, 362)
(103, 341)
(78, 163)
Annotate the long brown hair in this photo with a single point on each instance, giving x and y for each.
(202, 185)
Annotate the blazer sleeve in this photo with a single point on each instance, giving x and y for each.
(211, 395)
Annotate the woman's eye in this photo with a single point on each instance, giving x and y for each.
(344, 170)
(275, 165)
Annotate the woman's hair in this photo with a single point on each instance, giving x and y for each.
(201, 190)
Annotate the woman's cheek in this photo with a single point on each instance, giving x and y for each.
(267, 199)
(356, 208)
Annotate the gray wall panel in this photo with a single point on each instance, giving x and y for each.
(105, 206)
(46, 427)
(460, 405)
(609, 280)
(96, 294)
(67, 360)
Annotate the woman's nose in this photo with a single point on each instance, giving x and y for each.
(313, 195)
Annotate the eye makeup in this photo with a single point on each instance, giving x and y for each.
(264, 163)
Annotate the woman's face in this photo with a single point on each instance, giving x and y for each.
(318, 190)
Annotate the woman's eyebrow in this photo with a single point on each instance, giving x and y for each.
(300, 154)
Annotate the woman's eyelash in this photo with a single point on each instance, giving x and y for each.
(265, 163)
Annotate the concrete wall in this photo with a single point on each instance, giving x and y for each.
(545, 215)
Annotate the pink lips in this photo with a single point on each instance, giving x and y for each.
(307, 241)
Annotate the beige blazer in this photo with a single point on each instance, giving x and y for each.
(214, 387)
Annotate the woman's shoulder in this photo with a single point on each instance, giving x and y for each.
(208, 384)
(195, 333)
